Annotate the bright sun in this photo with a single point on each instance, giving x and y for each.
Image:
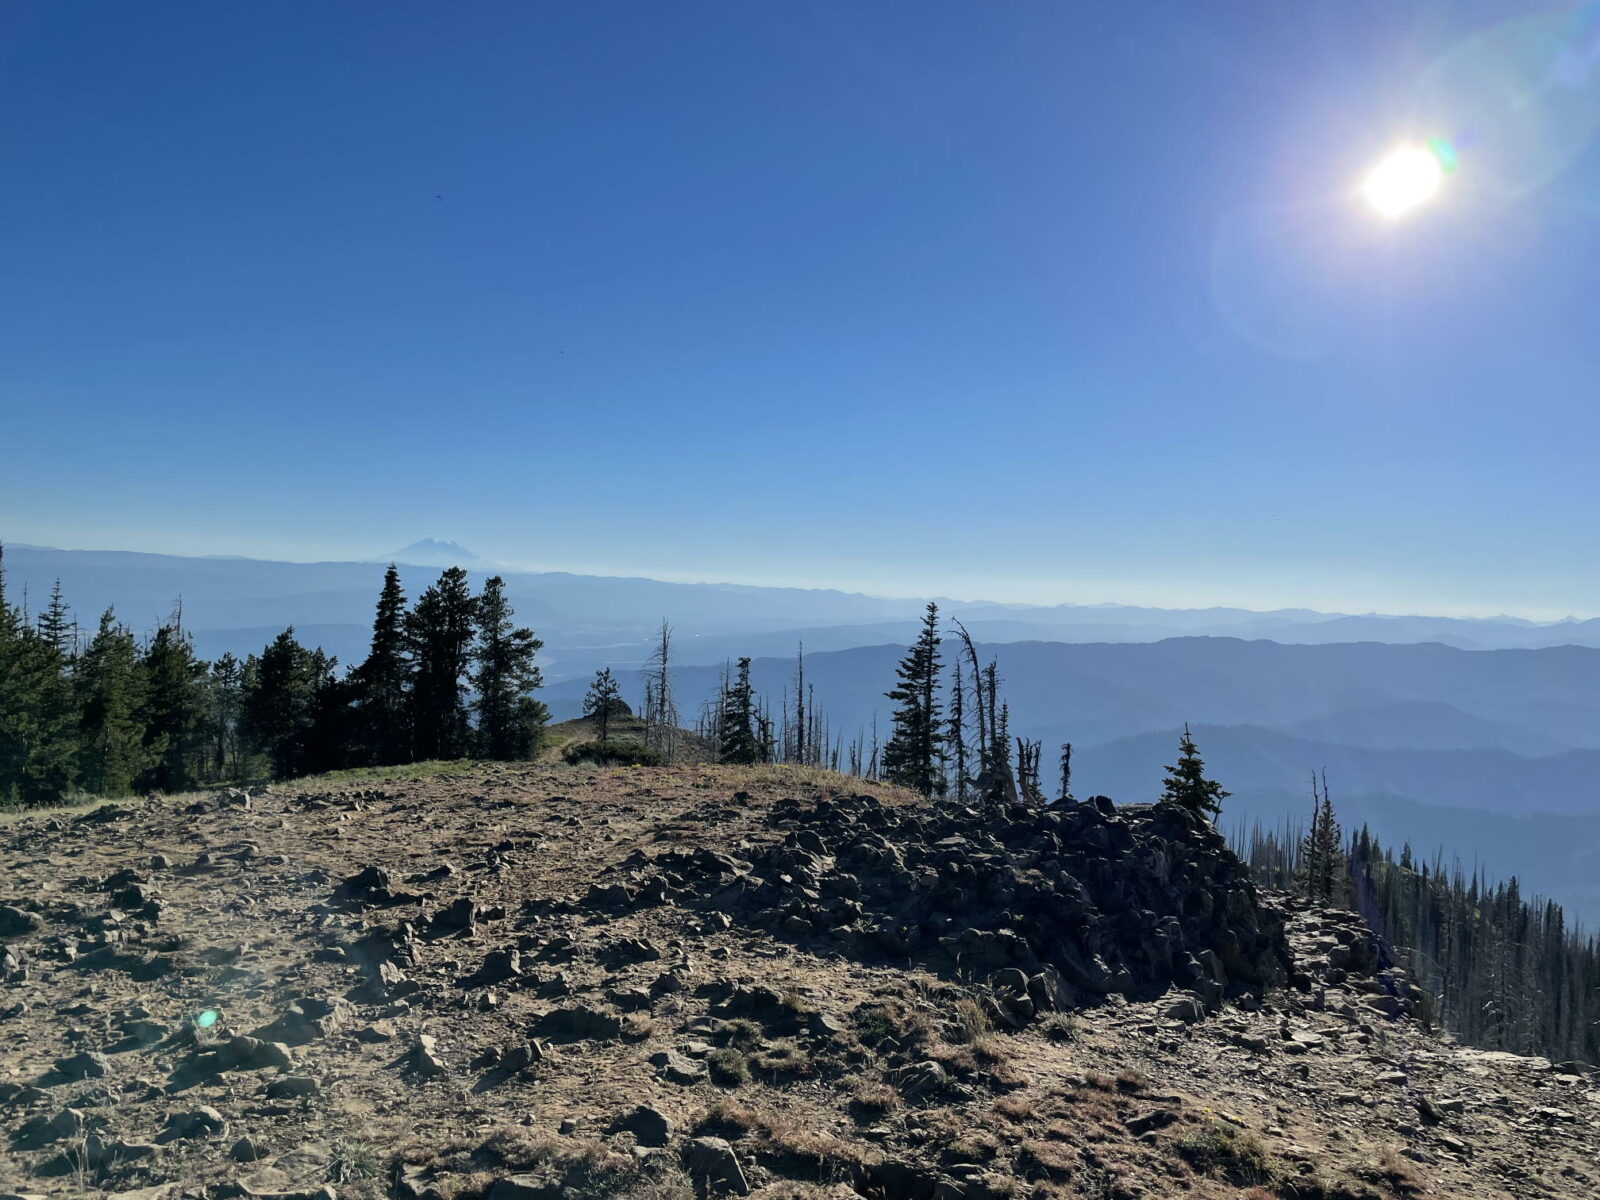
(1406, 178)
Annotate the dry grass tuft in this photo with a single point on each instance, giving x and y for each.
(636, 1027)
(740, 1031)
(1060, 1027)
(661, 1182)
(969, 1020)
(872, 1101)
(820, 1151)
(727, 1119)
(977, 1145)
(990, 1049)
(782, 1061)
(1396, 1174)
(1016, 1110)
(1048, 1159)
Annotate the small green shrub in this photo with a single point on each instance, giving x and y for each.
(895, 1019)
(783, 1060)
(353, 1159)
(618, 752)
(1222, 1149)
(728, 1067)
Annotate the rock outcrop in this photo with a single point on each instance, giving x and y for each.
(1085, 900)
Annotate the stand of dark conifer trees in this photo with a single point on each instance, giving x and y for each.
(1500, 971)
(111, 713)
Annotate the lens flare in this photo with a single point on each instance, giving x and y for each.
(1406, 178)
(207, 1019)
(1521, 97)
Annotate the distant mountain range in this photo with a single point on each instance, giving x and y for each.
(590, 621)
(1482, 736)
(1380, 698)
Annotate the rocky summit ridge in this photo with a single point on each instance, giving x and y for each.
(537, 983)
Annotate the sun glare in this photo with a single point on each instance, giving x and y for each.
(1406, 178)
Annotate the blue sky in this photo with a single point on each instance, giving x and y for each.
(1039, 302)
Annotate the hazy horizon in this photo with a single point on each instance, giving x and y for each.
(732, 578)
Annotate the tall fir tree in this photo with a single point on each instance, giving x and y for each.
(173, 710)
(108, 683)
(1064, 796)
(739, 740)
(510, 721)
(226, 696)
(439, 634)
(914, 755)
(38, 742)
(281, 704)
(1186, 784)
(381, 682)
(57, 627)
(332, 741)
(15, 709)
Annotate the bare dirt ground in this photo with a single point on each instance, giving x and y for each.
(197, 1000)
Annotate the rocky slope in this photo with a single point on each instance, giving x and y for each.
(549, 982)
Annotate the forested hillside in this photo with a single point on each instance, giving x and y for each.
(1502, 970)
(110, 713)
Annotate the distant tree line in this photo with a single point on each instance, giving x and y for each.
(1500, 971)
(108, 713)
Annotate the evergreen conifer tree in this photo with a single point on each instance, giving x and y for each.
(1322, 857)
(913, 756)
(281, 705)
(57, 627)
(383, 727)
(1186, 785)
(172, 690)
(1065, 795)
(38, 743)
(15, 721)
(738, 741)
(510, 721)
(603, 701)
(111, 749)
(226, 698)
(439, 634)
(332, 742)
